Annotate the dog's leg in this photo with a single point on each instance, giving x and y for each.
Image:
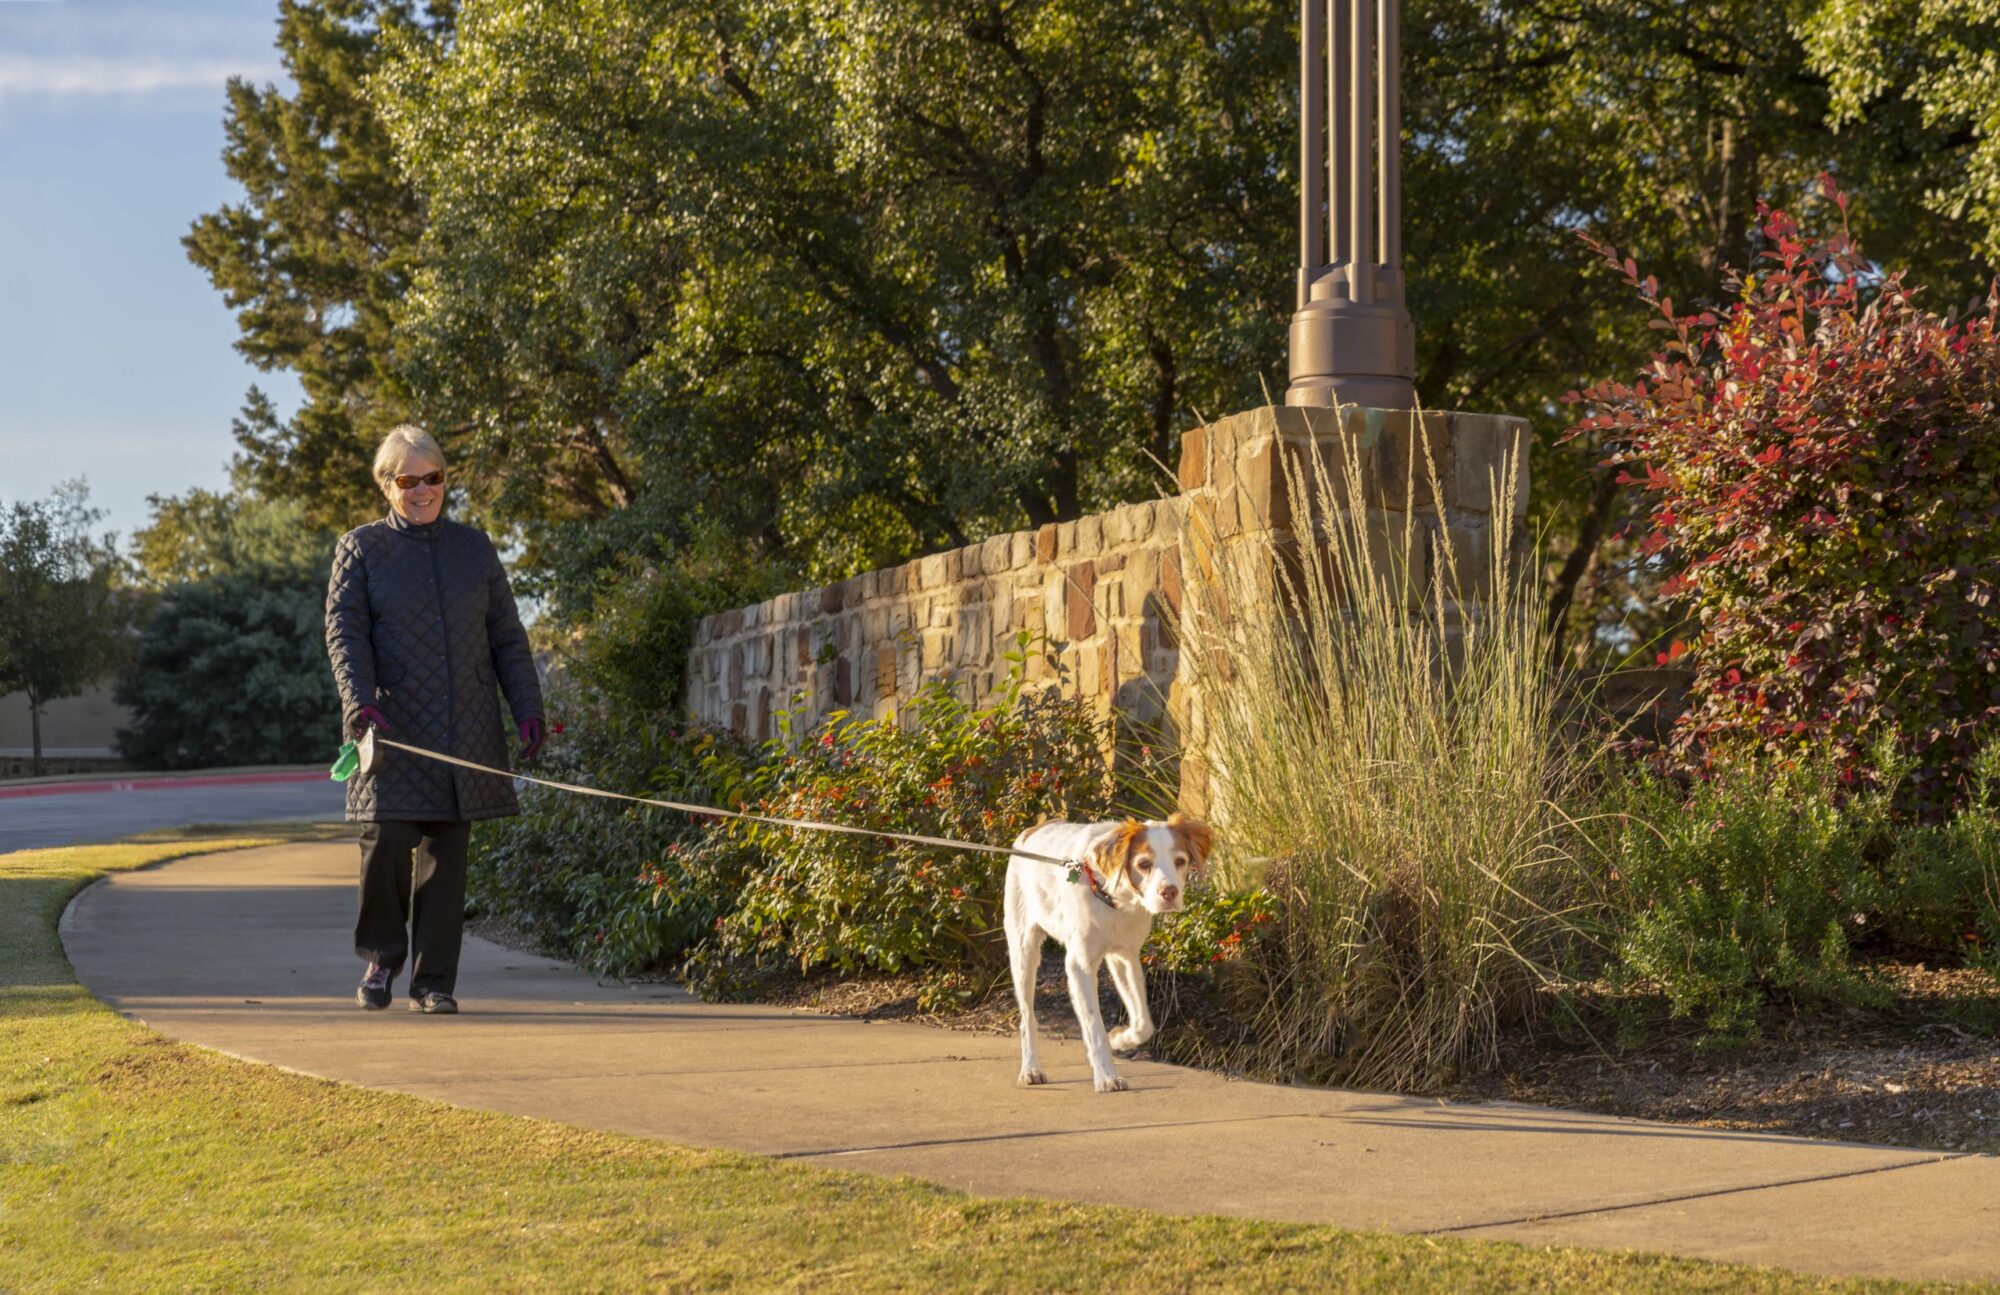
(1083, 997)
(1130, 978)
(1024, 950)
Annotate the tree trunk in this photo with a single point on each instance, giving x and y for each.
(35, 726)
(1589, 535)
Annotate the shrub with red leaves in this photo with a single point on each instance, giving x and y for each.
(1824, 478)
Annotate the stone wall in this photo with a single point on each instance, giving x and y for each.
(1102, 594)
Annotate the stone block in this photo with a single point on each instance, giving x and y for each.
(1486, 443)
(994, 555)
(1464, 560)
(1141, 575)
(1046, 542)
(937, 651)
(1066, 539)
(885, 672)
(1055, 605)
(969, 561)
(1117, 530)
(1170, 577)
(736, 672)
(1002, 605)
(1261, 489)
(1081, 613)
(1139, 521)
(1222, 462)
(1194, 458)
(1022, 550)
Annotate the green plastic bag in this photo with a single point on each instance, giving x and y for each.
(345, 764)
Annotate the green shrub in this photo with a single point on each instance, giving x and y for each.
(231, 670)
(1745, 886)
(1944, 880)
(610, 884)
(631, 648)
(942, 767)
(1215, 926)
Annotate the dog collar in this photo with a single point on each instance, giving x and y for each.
(1096, 886)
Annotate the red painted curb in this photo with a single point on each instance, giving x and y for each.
(151, 784)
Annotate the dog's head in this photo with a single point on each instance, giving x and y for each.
(1155, 861)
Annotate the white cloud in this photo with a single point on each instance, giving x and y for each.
(84, 75)
(64, 49)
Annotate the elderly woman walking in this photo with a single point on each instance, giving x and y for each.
(420, 624)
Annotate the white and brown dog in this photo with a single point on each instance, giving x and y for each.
(1131, 873)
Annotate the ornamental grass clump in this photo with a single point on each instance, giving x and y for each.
(1383, 732)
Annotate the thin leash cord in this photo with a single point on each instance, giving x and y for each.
(810, 825)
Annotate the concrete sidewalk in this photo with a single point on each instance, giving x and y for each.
(250, 953)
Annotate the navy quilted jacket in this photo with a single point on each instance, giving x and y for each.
(421, 624)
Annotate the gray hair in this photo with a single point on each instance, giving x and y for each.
(399, 445)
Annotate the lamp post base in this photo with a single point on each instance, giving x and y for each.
(1349, 354)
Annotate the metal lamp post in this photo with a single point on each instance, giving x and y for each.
(1352, 341)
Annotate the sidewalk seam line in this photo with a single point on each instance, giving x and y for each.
(1015, 1137)
(1702, 1195)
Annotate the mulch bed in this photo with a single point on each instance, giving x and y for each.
(1923, 1071)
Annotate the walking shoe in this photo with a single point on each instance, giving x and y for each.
(373, 993)
(433, 1002)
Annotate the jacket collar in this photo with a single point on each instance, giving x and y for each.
(428, 531)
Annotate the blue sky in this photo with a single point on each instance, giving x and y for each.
(116, 361)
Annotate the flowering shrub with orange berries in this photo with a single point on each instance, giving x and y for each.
(942, 767)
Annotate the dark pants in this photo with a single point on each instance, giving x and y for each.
(438, 850)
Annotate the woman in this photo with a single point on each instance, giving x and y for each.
(420, 624)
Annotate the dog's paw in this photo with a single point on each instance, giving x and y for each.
(1108, 1084)
(1128, 1039)
(1029, 1078)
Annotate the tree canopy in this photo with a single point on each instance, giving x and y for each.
(62, 626)
(855, 281)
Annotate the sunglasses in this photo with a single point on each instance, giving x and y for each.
(410, 481)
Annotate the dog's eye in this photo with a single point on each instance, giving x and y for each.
(1145, 865)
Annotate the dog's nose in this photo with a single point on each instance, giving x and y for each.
(1170, 894)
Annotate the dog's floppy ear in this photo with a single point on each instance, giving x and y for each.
(1194, 835)
(1114, 856)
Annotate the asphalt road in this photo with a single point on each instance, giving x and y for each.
(86, 817)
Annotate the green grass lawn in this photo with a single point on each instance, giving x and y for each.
(132, 1163)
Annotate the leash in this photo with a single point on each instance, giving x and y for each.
(361, 757)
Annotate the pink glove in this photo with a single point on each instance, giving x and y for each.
(531, 738)
(367, 715)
